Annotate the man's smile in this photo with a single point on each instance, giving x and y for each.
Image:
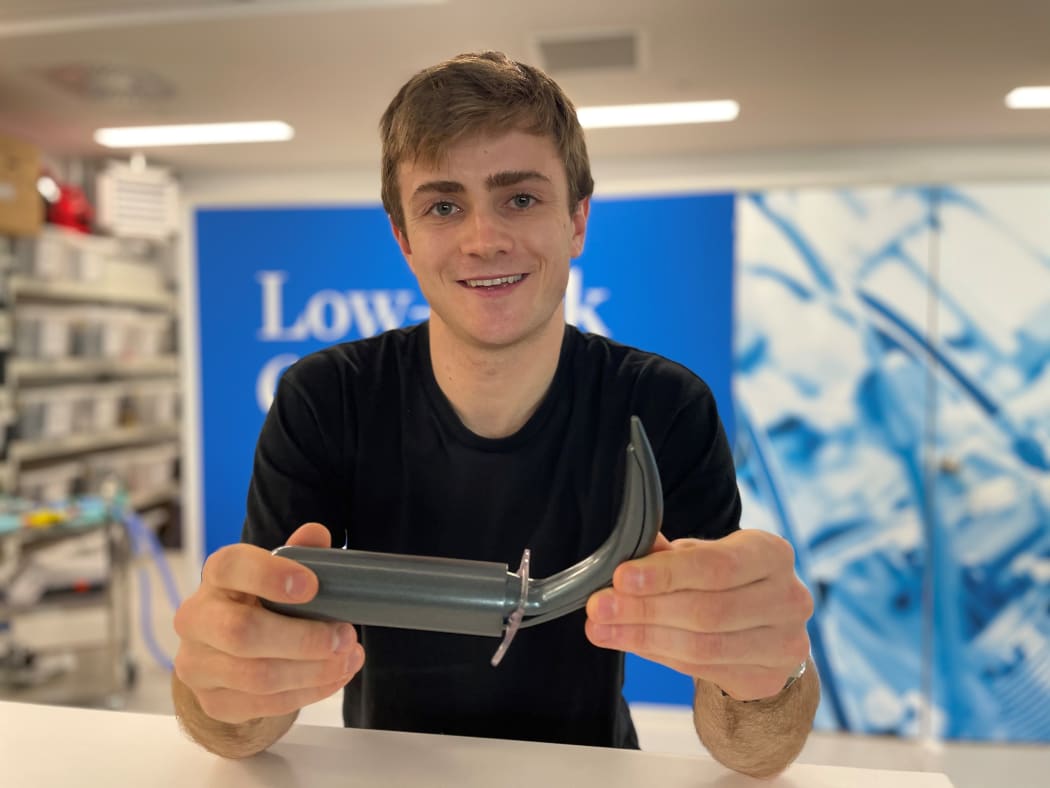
(494, 283)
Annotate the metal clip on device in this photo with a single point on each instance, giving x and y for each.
(478, 597)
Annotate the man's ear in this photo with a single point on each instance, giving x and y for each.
(402, 240)
(579, 225)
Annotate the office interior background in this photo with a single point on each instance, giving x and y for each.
(856, 257)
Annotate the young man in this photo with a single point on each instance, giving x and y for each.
(491, 428)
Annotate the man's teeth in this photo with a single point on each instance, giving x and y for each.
(503, 280)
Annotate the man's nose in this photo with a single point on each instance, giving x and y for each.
(486, 235)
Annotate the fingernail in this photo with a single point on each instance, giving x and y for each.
(608, 606)
(342, 638)
(635, 579)
(295, 585)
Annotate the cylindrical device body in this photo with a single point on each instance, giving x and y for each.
(411, 592)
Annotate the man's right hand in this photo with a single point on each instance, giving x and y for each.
(243, 662)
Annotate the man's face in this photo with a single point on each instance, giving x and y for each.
(489, 236)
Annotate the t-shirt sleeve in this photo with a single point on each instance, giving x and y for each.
(701, 498)
(298, 475)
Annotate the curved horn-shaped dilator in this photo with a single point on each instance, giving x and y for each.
(479, 597)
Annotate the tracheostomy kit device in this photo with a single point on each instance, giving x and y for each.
(479, 597)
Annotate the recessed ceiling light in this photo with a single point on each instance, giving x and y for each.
(658, 114)
(194, 134)
(1033, 97)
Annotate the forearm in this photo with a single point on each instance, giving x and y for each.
(759, 738)
(223, 738)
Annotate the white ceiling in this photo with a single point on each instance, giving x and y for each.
(807, 73)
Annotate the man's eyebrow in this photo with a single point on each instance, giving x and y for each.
(438, 187)
(513, 177)
(495, 181)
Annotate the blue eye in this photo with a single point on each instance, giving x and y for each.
(442, 208)
(522, 200)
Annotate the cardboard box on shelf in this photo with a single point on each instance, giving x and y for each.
(21, 208)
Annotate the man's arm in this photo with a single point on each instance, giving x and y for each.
(759, 737)
(230, 740)
(732, 614)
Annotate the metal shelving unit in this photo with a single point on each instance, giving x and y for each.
(99, 670)
(68, 279)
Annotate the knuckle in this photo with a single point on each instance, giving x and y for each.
(235, 628)
(710, 611)
(647, 607)
(180, 621)
(664, 579)
(182, 664)
(218, 565)
(636, 638)
(801, 599)
(785, 550)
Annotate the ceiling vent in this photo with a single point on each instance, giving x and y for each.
(589, 52)
(136, 201)
(125, 84)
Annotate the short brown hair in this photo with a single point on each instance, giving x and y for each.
(480, 92)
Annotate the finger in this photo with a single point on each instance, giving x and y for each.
(235, 707)
(660, 544)
(738, 559)
(311, 535)
(769, 602)
(769, 647)
(207, 669)
(251, 631)
(244, 569)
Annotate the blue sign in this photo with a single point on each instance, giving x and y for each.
(278, 283)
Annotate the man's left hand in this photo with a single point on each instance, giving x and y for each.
(730, 611)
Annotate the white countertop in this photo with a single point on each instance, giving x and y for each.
(44, 746)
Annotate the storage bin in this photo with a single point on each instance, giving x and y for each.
(52, 483)
(82, 409)
(42, 333)
(154, 403)
(152, 468)
(44, 413)
(109, 398)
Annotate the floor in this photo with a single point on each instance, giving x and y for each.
(661, 728)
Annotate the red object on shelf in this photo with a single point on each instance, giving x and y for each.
(71, 209)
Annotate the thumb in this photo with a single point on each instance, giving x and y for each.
(661, 544)
(311, 535)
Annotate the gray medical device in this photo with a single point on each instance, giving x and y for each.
(478, 597)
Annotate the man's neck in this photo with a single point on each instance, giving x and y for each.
(495, 391)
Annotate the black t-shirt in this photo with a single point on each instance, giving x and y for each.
(361, 438)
